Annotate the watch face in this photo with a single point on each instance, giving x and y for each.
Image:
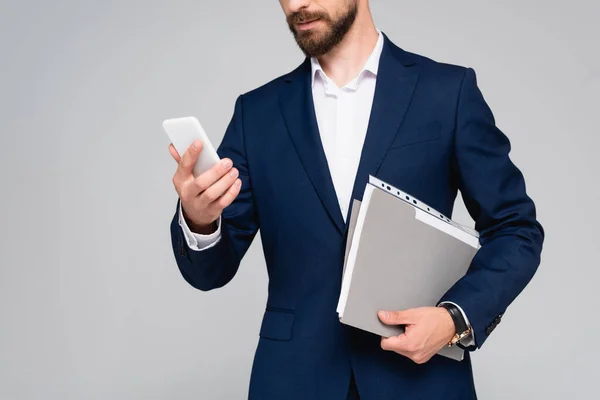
(466, 333)
(460, 336)
(454, 340)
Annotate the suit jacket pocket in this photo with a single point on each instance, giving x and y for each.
(277, 324)
(425, 133)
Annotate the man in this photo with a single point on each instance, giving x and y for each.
(297, 150)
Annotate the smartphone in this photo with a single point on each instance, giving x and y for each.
(182, 132)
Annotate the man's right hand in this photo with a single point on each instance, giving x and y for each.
(203, 198)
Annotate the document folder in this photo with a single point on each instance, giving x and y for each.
(400, 254)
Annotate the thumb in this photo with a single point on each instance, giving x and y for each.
(396, 317)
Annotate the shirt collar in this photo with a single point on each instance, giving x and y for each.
(371, 65)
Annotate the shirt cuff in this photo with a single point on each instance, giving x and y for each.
(197, 241)
(469, 340)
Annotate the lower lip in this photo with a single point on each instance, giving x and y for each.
(308, 25)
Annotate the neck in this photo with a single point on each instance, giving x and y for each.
(345, 61)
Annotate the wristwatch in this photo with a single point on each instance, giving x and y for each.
(462, 329)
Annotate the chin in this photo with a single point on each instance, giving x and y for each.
(314, 35)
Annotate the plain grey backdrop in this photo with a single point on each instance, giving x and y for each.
(92, 305)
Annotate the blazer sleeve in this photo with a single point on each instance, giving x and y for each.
(493, 190)
(214, 267)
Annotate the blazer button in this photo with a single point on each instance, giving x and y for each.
(493, 325)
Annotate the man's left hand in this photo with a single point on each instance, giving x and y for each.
(427, 331)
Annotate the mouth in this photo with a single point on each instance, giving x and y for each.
(306, 25)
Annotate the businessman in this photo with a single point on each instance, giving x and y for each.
(297, 151)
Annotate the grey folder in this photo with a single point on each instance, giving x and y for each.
(400, 254)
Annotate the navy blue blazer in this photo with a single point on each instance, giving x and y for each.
(430, 134)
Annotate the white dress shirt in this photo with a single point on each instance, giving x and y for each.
(342, 117)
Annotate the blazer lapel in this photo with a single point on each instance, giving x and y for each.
(397, 77)
(297, 106)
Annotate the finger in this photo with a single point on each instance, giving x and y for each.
(394, 343)
(397, 317)
(186, 164)
(217, 189)
(230, 195)
(401, 344)
(174, 153)
(209, 177)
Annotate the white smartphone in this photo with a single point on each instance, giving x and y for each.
(182, 132)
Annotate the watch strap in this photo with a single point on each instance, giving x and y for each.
(459, 322)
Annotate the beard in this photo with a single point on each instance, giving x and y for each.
(315, 43)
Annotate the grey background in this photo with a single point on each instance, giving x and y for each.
(91, 303)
